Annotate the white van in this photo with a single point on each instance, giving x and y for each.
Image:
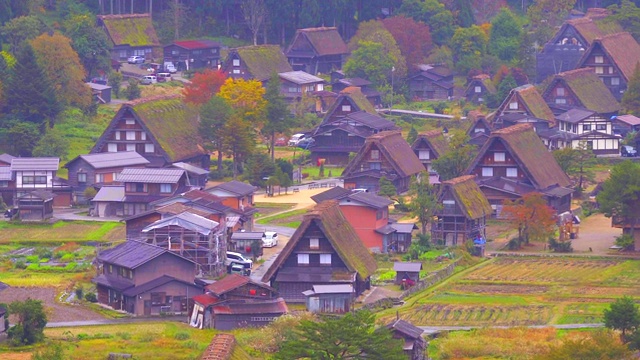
(148, 80)
(295, 139)
(169, 67)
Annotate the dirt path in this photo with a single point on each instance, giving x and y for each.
(56, 312)
(595, 234)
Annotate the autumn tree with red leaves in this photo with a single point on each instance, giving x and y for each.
(532, 216)
(203, 86)
(413, 38)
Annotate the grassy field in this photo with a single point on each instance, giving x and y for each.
(283, 218)
(61, 231)
(525, 291)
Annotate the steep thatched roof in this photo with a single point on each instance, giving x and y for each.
(621, 49)
(344, 239)
(130, 29)
(588, 89)
(324, 40)
(263, 60)
(435, 140)
(468, 195)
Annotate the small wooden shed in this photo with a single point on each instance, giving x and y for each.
(332, 299)
(246, 242)
(36, 205)
(415, 346)
(407, 271)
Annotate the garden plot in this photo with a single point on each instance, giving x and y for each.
(524, 291)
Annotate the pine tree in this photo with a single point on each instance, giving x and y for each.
(386, 188)
(278, 116)
(631, 97)
(412, 136)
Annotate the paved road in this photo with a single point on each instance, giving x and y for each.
(128, 320)
(74, 214)
(430, 330)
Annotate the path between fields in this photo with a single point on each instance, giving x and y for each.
(182, 319)
(431, 330)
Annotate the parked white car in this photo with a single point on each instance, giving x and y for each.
(270, 239)
(136, 59)
(295, 139)
(237, 258)
(148, 80)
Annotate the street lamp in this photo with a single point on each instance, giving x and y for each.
(393, 69)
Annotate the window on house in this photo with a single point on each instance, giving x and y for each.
(310, 88)
(375, 154)
(346, 108)
(149, 148)
(131, 135)
(560, 91)
(99, 178)
(562, 126)
(498, 157)
(586, 127)
(130, 121)
(325, 259)
(320, 87)
(110, 269)
(303, 259)
(314, 243)
(34, 180)
(292, 89)
(4, 183)
(610, 69)
(448, 206)
(158, 298)
(423, 154)
(599, 70)
(561, 101)
(487, 171)
(615, 81)
(136, 187)
(513, 105)
(175, 52)
(477, 89)
(599, 59)
(82, 177)
(236, 71)
(512, 172)
(165, 188)
(590, 145)
(374, 166)
(112, 147)
(131, 147)
(117, 135)
(602, 127)
(236, 62)
(143, 136)
(197, 52)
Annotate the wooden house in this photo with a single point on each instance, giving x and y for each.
(36, 205)
(431, 82)
(480, 128)
(385, 154)
(193, 236)
(140, 187)
(462, 214)
(324, 250)
(624, 124)
(163, 129)
(143, 279)
(515, 161)
(429, 146)
(193, 54)
(345, 127)
(29, 174)
(407, 271)
(580, 88)
(239, 196)
(7, 182)
(330, 299)
(579, 126)
(524, 104)
(298, 84)
(257, 62)
(339, 82)
(317, 50)
(130, 34)
(575, 36)
(415, 346)
(479, 89)
(95, 170)
(236, 301)
(613, 58)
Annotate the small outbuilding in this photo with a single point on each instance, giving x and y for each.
(415, 345)
(330, 299)
(101, 93)
(407, 272)
(247, 243)
(36, 205)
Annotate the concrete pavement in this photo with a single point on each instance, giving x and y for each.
(75, 214)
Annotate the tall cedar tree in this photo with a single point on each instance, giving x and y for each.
(532, 216)
(413, 38)
(412, 136)
(352, 336)
(423, 200)
(631, 97)
(576, 162)
(203, 86)
(238, 140)
(505, 36)
(213, 117)
(620, 195)
(62, 67)
(29, 91)
(90, 42)
(455, 161)
(386, 188)
(278, 116)
(623, 315)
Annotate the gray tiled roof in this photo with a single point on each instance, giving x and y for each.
(150, 285)
(575, 115)
(406, 328)
(236, 187)
(333, 289)
(110, 193)
(35, 164)
(246, 235)
(185, 220)
(116, 159)
(150, 175)
(403, 228)
(132, 254)
(300, 77)
(337, 192)
(407, 266)
(5, 173)
(190, 168)
(6, 158)
(371, 199)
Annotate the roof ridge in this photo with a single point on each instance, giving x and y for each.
(609, 36)
(459, 179)
(124, 16)
(152, 98)
(430, 133)
(513, 129)
(319, 28)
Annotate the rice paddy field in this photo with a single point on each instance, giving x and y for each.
(524, 291)
(60, 232)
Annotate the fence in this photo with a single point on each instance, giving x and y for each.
(430, 280)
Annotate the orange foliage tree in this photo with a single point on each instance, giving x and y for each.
(413, 38)
(203, 86)
(532, 216)
(246, 97)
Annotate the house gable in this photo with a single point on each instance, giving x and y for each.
(526, 100)
(581, 88)
(256, 62)
(130, 29)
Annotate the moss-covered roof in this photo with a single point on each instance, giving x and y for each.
(588, 89)
(173, 123)
(344, 239)
(355, 93)
(621, 49)
(436, 141)
(591, 29)
(263, 60)
(130, 29)
(471, 199)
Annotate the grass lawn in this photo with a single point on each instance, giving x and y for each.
(314, 172)
(524, 291)
(61, 231)
(281, 218)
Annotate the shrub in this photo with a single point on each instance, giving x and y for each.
(123, 335)
(560, 246)
(91, 297)
(625, 241)
(43, 253)
(67, 257)
(79, 293)
(191, 344)
(20, 265)
(89, 193)
(32, 259)
(146, 337)
(182, 336)
(387, 276)
(82, 336)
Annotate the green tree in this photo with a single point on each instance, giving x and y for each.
(464, 13)
(545, 16)
(623, 315)
(386, 188)
(576, 163)
(423, 200)
(505, 36)
(31, 320)
(469, 46)
(115, 80)
(504, 88)
(213, 116)
(347, 337)
(433, 13)
(631, 98)
(597, 345)
(278, 116)
(52, 144)
(238, 140)
(22, 137)
(283, 178)
(412, 136)
(89, 41)
(627, 14)
(133, 90)
(259, 168)
(455, 162)
(50, 352)
(20, 30)
(620, 195)
(371, 62)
